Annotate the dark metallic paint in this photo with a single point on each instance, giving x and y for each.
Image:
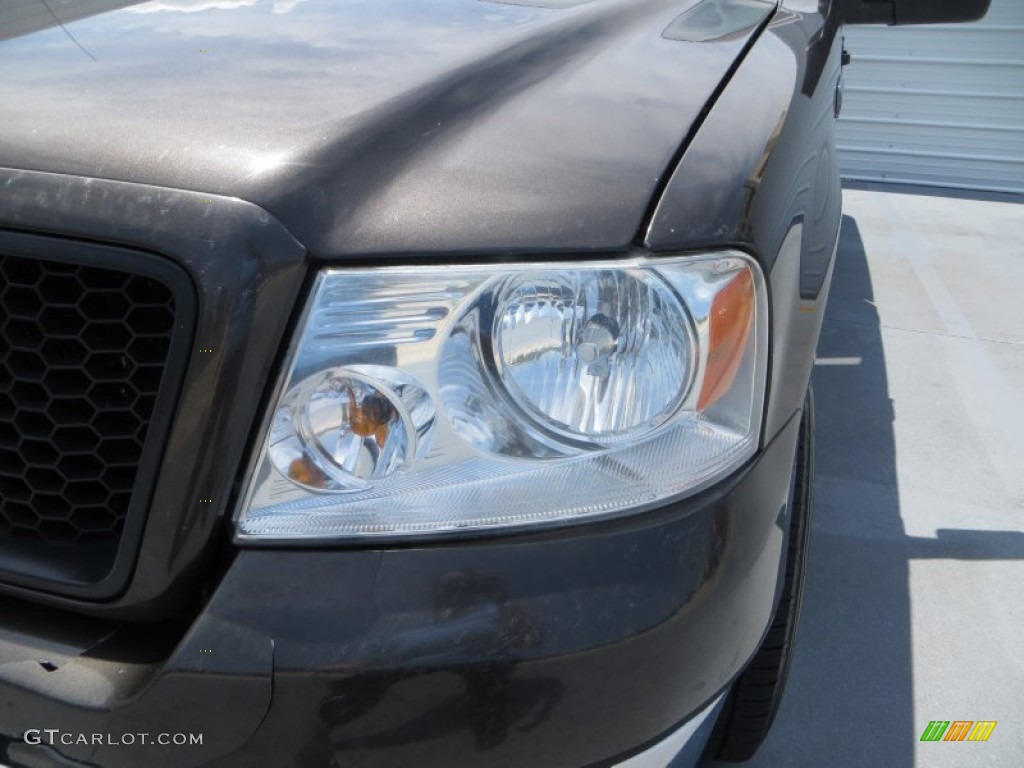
(247, 271)
(536, 132)
(632, 51)
(380, 128)
(761, 172)
(564, 648)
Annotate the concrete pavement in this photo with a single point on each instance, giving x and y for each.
(914, 609)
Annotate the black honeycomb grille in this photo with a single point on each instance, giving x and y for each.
(82, 354)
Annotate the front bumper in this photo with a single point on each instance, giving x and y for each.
(587, 645)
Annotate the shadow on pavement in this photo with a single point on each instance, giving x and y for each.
(849, 700)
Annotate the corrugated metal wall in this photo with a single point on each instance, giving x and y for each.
(937, 105)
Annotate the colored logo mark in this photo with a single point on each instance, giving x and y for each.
(958, 730)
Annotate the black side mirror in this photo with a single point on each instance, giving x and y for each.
(911, 11)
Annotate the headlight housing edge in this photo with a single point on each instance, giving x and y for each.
(426, 425)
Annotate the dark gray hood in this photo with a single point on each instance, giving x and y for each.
(376, 126)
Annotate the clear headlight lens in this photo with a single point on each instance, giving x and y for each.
(427, 400)
(597, 353)
(347, 426)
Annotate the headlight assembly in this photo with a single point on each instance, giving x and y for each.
(432, 400)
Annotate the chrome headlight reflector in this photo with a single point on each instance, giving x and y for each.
(593, 352)
(431, 400)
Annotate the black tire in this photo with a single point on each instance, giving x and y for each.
(753, 702)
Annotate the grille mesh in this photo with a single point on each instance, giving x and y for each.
(82, 354)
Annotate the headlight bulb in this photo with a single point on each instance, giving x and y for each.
(594, 353)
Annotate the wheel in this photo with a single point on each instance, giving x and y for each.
(750, 708)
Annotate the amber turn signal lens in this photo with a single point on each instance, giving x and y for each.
(305, 472)
(730, 319)
(371, 417)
